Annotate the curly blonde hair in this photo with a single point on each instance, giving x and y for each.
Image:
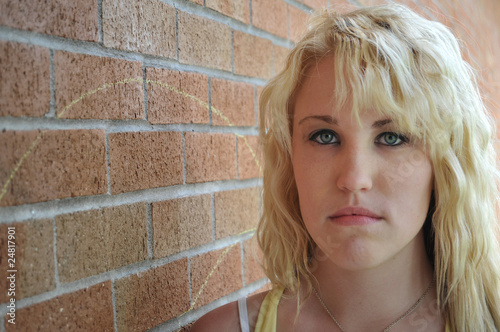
(389, 58)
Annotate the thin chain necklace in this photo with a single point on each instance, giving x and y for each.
(393, 323)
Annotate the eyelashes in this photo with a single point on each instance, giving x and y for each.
(392, 139)
(324, 137)
(329, 137)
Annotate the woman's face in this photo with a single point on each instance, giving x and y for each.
(364, 187)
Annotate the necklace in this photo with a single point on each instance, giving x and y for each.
(390, 325)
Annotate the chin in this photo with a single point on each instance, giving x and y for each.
(357, 256)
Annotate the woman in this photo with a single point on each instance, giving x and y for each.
(380, 183)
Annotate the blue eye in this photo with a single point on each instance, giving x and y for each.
(324, 137)
(391, 139)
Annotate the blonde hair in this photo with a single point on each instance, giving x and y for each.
(389, 58)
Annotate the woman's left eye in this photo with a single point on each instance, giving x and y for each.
(391, 139)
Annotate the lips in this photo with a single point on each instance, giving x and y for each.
(354, 216)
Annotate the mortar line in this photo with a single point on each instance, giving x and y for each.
(426, 10)
(116, 126)
(242, 253)
(52, 87)
(212, 203)
(91, 48)
(194, 9)
(145, 91)
(202, 11)
(61, 206)
(125, 271)
(113, 299)
(250, 13)
(2, 324)
(56, 265)
(149, 229)
(299, 5)
(190, 283)
(177, 34)
(184, 171)
(99, 22)
(108, 164)
(355, 2)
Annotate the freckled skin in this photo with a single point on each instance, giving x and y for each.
(339, 162)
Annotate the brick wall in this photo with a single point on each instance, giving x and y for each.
(129, 162)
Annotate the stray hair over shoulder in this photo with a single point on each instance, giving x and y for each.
(410, 69)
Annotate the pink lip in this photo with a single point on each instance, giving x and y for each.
(350, 216)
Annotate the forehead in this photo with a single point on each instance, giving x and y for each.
(323, 92)
(326, 90)
(317, 89)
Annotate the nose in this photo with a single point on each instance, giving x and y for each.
(355, 170)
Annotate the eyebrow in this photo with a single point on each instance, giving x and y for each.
(330, 120)
(325, 118)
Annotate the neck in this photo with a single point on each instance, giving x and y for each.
(381, 293)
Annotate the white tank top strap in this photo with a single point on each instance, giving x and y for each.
(242, 309)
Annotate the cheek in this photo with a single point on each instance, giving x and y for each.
(412, 191)
(306, 179)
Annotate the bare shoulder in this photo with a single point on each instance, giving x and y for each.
(226, 317)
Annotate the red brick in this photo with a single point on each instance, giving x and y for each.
(280, 56)
(450, 7)
(147, 299)
(33, 258)
(177, 97)
(237, 9)
(372, 2)
(271, 16)
(70, 19)
(316, 4)
(232, 103)
(145, 27)
(253, 56)
(142, 160)
(181, 224)
(342, 6)
(204, 42)
(236, 211)
(91, 87)
(249, 157)
(417, 8)
(24, 80)
(297, 20)
(259, 92)
(436, 11)
(215, 274)
(89, 309)
(97, 241)
(57, 164)
(252, 261)
(210, 157)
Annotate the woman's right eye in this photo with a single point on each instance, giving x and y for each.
(324, 137)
